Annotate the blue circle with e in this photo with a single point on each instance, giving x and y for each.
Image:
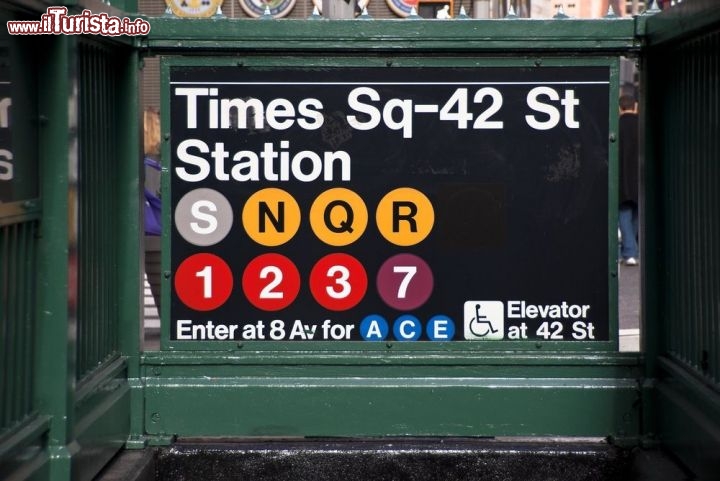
(440, 328)
(407, 328)
(374, 328)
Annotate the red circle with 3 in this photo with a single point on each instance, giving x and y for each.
(338, 282)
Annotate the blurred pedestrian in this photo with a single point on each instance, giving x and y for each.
(629, 180)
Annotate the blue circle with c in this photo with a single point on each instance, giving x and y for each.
(407, 328)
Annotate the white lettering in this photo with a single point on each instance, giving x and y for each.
(5, 104)
(392, 106)
(186, 331)
(184, 328)
(6, 167)
(210, 219)
(199, 162)
(402, 329)
(440, 329)
(570, 102)
(302, 331)
(312, 118)
(192, 93)
(247, 113)
(270, 164)
(583, 330)
(405, 122)
(247, 166)
(244, 110)
(374, 331)
(315, 163)
(520, 310)
(373, 113)
(279, 109)
(552, 112)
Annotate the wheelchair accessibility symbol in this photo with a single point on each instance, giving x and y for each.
(484, 320)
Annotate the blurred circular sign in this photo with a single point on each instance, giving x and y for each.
(402, 8)
(193, 8)
(278, 8)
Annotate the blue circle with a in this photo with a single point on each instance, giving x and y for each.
(407, 328)
(440, 328)
(374, 328)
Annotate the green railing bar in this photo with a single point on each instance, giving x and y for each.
(682, 21)
(17, 212)
(29, 432)
(350, 358)
(401, 36)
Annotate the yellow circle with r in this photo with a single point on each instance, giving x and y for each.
(405, 216)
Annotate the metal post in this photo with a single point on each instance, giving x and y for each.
(130, 317)
(56, 351)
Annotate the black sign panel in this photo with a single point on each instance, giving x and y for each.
(408, 204)
(7, 167)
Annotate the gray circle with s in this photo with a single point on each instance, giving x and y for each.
(203, 217)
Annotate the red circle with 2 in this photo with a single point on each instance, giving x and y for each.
(338, 282)
(271, 282)
(203, 282)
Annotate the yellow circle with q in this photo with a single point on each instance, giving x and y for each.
(405, 216)
(338, 217)
(271, 217)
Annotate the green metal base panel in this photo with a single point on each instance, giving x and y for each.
(689, 421)
(23, 456)
(102, 430)
(37, 468)
(391, 407)
(295, 394)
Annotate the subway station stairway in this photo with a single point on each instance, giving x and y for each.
(438, 459)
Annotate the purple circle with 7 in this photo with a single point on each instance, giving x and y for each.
(405, 282)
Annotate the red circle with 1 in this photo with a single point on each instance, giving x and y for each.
(203, 282)
(271, 282)
(338, 282)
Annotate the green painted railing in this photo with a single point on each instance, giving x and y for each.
(97, 238)
(73, 216)
(691, 164)
(22, 424)
(18, 250)
(682, 290)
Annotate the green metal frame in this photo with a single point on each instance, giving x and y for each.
(224, 36)
(77, 423)
(334, 389)
(392, 389)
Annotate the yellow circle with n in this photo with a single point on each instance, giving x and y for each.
(271, 217)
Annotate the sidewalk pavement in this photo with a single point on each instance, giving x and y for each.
(629, 307)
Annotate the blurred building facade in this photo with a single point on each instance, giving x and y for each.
(395, 10)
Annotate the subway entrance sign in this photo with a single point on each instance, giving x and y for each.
(366, 206)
